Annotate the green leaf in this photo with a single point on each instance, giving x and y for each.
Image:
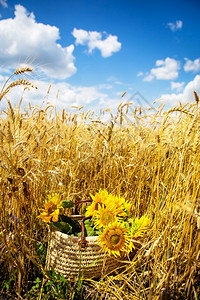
(90, 233)
(67, 204)
(76, 227)
(90, 230)
(63, 227)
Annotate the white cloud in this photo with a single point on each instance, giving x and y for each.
(93, 98)
(192, 65)
(140, 74)
(79, 95)
(187, 95)
(22, 37)
(166, 69)
(178, 86)
(4, 3)
(68, 95)
(94, 39)
(174, 26)
(149, 77)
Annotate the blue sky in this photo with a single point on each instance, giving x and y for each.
(94, 51)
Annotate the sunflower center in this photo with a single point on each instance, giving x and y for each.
(52, 208)
(107, 218)
(114, 239)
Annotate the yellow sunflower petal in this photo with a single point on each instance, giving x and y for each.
(51, 208)
(139, 226)
(99, 200)
(45, 217)
(55, 215)
(115, 239)
(104, 217)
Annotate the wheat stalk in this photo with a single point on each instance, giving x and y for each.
(17, 82)
(196, 98)
(22, 70)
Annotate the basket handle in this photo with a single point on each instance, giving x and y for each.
(83, 243)
(81, 201)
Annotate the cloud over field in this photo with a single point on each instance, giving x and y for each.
(165, 69)
(94, 39)
(192, 65)
(61, 94)
(178, 86)
(187, 95)
(22, 38)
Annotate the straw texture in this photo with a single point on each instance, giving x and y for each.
(67, 258)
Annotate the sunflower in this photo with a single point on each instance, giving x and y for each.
(52, 208)
(139, 226)
(127, 205)
(100, 199)
(115, 239)
(105, 215)
(121, 205)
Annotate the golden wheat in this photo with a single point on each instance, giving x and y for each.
(17, 82)
(23, 70)
(149, 157)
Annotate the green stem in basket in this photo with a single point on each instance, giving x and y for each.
(67, 225)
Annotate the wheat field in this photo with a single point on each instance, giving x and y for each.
(149, 156)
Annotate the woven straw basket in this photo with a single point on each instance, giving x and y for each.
(67, 258)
